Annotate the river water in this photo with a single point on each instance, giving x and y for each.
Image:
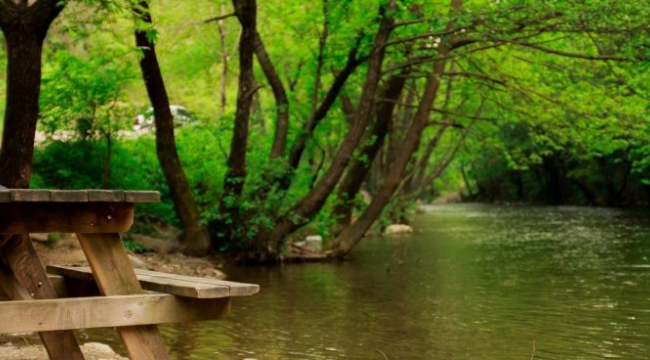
(474, 282)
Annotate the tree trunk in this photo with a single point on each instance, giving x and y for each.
(233, 187)
(281, 99)
(195, 237)
(224, 63)
(309, 205)
(106, 178)
(295, 154)
(356, 174)
(351, 235)
(24, 29)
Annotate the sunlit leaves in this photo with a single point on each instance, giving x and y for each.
(87, 91)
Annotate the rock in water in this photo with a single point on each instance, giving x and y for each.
(398, 229)
(314, 243)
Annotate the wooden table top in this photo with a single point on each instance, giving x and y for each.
(77, 196)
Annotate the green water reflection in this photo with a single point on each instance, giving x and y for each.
(477, 282)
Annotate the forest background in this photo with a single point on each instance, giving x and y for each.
(326, 117)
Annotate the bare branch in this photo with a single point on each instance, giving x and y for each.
(448, 113)
(218, 18)
(475, 75)
(567, 54)
(280, 95)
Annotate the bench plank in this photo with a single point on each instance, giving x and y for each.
(106, 311)
(180, 285)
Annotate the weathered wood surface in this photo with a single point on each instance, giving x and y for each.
(107, 311)
(37, 195)
(27, 217)
(180, 285)
(23, 277)
(4, 238)
(115, 276)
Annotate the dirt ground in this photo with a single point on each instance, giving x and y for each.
(64, 249)
(91, 351)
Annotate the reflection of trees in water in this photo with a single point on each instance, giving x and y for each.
(470, 285)
(382, 303)
(184, 339)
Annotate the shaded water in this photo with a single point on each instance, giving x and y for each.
(477, 282)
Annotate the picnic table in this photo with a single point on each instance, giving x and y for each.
(108, 293)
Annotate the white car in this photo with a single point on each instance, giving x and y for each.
(145, 121)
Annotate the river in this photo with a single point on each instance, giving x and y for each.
(474, 282)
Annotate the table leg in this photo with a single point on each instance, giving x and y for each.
(114, 275)
(25, 278)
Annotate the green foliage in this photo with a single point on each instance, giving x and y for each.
(83, 95)
(136, 247)
(546, 118)
(64, 165)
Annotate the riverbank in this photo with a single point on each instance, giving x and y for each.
(13, 350)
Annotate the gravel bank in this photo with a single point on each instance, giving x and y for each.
(91, 351)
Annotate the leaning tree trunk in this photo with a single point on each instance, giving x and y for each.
(358, 171)
(351, 235)
(305, 209)
(195, 237)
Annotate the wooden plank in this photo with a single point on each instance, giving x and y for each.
(27, 278)
(142, 196)
(106, 311)
(68, 196)
(43, 195)
(106, 195)
(189, 286)
(235, 288)
(30, 195)
(68, 287)
(59, 285)
(24, 217)
(152, 283)
(115, 276)
(10, 284)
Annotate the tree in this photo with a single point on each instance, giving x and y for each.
(195, 237)
(457, 42)
(24, 26)
(354, 102)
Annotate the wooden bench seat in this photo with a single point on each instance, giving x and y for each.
(170, 298)
(179, 285)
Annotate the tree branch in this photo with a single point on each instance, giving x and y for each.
(566, 54)
(280, 95)
(218, 18)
